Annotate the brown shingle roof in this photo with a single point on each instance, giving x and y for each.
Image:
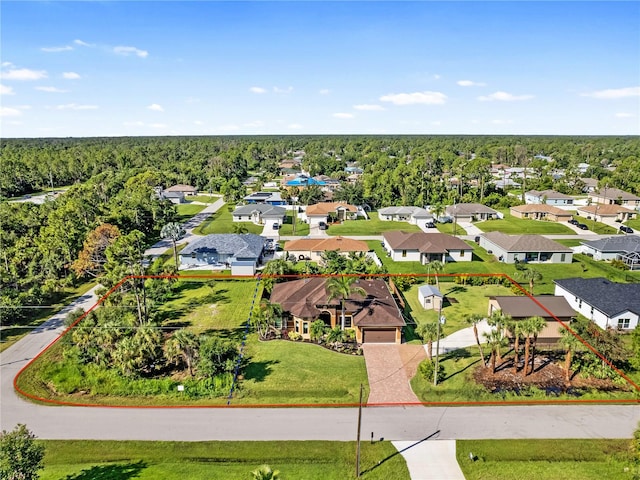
(605, 209)
(550, 194)
(181, 188)
(329, 207)
(525, 243)
(523, 307)
(302, 297)
(424, 242)
(341, 244)
(469, 209)
(614, 194)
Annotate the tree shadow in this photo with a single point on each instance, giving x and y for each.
(121, 471)
(399, 452)
(461, 370)
(236, 334)
(258, 371)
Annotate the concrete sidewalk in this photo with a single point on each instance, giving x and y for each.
(431, 459)
(463, 338)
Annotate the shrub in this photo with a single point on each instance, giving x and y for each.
(294, 336)
(427, 368)
(619, 264)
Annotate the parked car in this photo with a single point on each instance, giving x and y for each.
(625, 229)
(573, 221)
(276, 226)
(322, 226)
(431, 225)
(582, 226)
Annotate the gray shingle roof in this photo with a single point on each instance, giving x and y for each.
(523, 307)
(264, 209)
(424, 242)
(415, 212)
(525, 243)
(429, 290)
(622, 244)
(608, 297)
(469, 209)
(550, 194)
(244, 245)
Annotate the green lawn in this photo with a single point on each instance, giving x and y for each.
(13, 332)
(312, 460)
(188, 210)
(635, 224)
(544, 459)
(222, 222)
(372, 226)
(512, 225)
(597, 227)
(302, 228)
(392, 266)
(203, 198)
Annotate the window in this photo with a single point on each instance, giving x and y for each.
(624, 322)
(427, 300)
(461, 253)
(347, 321)
(592, 311)
(404, 253)
(580, 303)
(305, 327)
(562, 257)
(297, 327)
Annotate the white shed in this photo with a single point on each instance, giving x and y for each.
(430, 297)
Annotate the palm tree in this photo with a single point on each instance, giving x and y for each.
(343, 287)
(496, 341)
(437, 209)
(175, 232)
(538, 325)
(437, 266)
(277, 267)
(531, 275)
(515, 329)
(500, 321)
(265, 473)
(428, 332)
(570, 342)
(473, 319)
(239, 228)
(530, 329)
(182, 344)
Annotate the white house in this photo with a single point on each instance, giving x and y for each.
(625, 248)
(260, 213)
(430, 297)
(608, 304)
(469, 212)
(414, 215)
(240, 252)
(426, 247)
(610, 196)
(525, 248)
(549, 197)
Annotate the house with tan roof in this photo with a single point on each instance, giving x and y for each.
(540, 211)
(375, 317)
(186, 189)
(313, 248)
(611, 196)
(469, 212)
(520, 308)
(413, 215)
(525, 248)
(548, 197)
(426, 247)
(600, 213)
(330, 211)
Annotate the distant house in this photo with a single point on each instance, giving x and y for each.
(173, 197)
(430, 297)
(611, 196)
(375, 317)
(322, 212)
(259, 214)
(525, 248)
(313, 248)
(301, 181)
(269, 198)
(590, 184)
(541, 211)
(330, 184)
(414, 215)
(468, 212)
(240, 252)
(625, 248)
(426, 247)
(185, 189)
(600, 213)
(608, 304)
(549, 197)
(521, 308)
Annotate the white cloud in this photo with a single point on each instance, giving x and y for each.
(133, 124)
(624, 115)
(155, 107)
(9, 112)
(66, 48)
(7, 64)
(504, 97)
(294, 126)
(71, 75)
(470, 83)
(424, 98)
(614, 93)
(23, 74)
(436, 76)
(324, 91)
(369, 107)
(83, 44)
(257, 90)
(282, 90)
(198, 122)
(254, 124)
(501, 122)
(126, 51)
(343, 115)
(229, 127)
(5, 90)
(51, 89)
(158, 125)
(75, 106)
(436, 123)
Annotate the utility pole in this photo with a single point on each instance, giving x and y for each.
(440, 317)
(358, 437)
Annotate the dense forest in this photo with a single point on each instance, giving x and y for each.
(111, 212)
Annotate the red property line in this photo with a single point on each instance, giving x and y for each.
(332, 405)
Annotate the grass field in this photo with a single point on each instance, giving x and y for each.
(309, 460)
(566, 459)
(11, 333)
(188, 210)
(203, 198)
(302, 228)
(372, 226)
(511, 225)
(597, 227)
(222, 222)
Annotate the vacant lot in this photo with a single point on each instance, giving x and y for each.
(222, 222)
(511, 225)
(372, 226)
(188, 210)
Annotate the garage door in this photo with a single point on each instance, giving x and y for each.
(379, 336)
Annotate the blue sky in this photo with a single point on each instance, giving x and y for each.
(214, 68)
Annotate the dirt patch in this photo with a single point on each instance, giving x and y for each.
(547, 375)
